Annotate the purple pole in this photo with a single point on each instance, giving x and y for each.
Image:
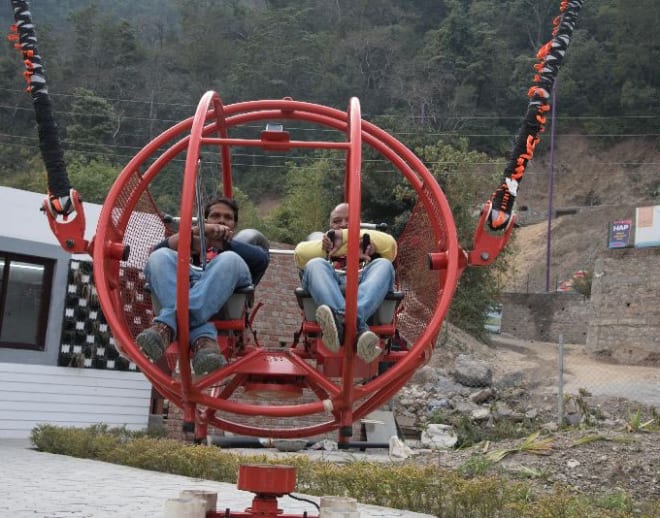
(551, 182)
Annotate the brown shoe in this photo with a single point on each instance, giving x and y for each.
(206, 355)
(154, 340)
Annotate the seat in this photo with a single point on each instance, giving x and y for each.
(379, 322)
(382, 323)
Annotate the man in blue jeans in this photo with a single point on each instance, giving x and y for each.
(230, 264)
(323, 263)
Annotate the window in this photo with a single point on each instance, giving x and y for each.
(25, 285)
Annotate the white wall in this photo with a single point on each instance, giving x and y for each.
(65, 396)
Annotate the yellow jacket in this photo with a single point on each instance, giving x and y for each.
(384, 245)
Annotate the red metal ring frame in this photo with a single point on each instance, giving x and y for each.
(347, 402)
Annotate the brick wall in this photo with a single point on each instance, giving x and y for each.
(545, 316)
(620, 322)
(624, 294)
(280, 316)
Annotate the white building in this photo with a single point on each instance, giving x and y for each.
(57, 363)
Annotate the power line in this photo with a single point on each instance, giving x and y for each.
(287, 157)
(401, 134)
(498, 165)
(415, 117)
(192, 107)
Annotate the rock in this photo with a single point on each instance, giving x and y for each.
(472, 372)
(503, 410)
(550, 427)
(573, 418)
(572, 463)
(424, 375)
(399, 449)
(465, 406)
(482, 395)
(439, 436)
(480, 414)
(438, 404)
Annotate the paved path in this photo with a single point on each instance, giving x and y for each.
(43, 485)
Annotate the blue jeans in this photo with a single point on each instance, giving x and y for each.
(325, 285)
(209, 289)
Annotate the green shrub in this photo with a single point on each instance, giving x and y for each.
(425, 489)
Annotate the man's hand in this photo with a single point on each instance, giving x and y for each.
(332, 241)
(215, 234)
(367, 253)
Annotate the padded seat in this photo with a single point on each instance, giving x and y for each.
(384, 314)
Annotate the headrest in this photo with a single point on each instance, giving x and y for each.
(314, 236)
(253, 237)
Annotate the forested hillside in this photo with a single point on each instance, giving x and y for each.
(120, 72)
(447, 77)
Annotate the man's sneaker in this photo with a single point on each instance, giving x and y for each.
(154, 340)
(331, 326)
(367, 346)
(206, 355)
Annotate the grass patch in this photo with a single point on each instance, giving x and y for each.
(588, 439)
(470, 432)
(531, 444)
(427, 489)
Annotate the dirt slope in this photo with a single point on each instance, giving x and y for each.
(593, 186)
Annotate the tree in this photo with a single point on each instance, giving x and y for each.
(93, 178)
(465, 176)
(93, 123)
(307, 204)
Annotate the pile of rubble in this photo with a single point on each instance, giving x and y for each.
(466, 389)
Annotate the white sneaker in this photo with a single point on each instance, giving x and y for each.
(326, 320)
(367, 346)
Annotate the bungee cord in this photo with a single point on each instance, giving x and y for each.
(24, 38)
(550, 57)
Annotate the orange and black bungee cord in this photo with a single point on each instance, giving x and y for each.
(550, 57)
(24, 38)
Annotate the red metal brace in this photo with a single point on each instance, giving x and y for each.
(486, 245)
(70, 230)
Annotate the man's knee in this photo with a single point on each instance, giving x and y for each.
(160, 259)
(315, 268)
(379, 272)
(382, 267)
(226, 261)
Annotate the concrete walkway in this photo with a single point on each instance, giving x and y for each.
(43, 485)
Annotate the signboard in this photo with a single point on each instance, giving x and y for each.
(647, 226)
(620, 233)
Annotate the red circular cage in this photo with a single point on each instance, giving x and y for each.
(317, 392)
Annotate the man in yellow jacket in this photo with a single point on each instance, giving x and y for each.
(323, 263)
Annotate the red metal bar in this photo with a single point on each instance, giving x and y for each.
(189, 136)
(313, 144)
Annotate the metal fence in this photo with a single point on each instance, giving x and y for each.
(571, 384)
